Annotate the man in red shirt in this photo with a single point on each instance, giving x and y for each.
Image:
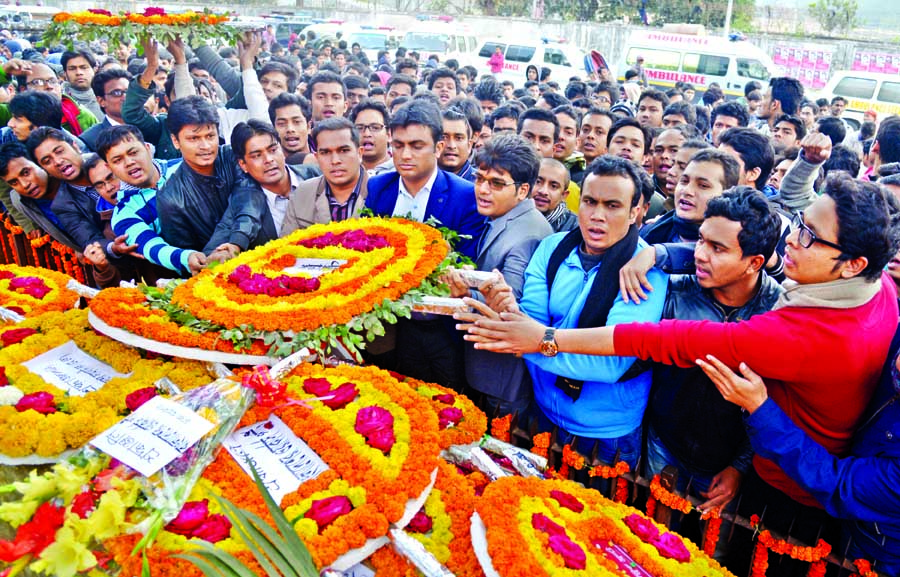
(820, 350)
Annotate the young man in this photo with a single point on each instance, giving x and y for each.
(682, 158)
(357, 90)
(789, 130)
(340, 192)
(426, 349)
(727, 115)
(135, 216)
(831, 335)
(507, 168)
(370, 118)
(399, 85)
(595, 125)
(541, 128)
(754, 154)
(110, 86)
(679, 113)
(458, 142)
(707, 175)
(665, 149)
(327, 96)
(650, 108)
(76, 118)
(550, 193)
(489, 94)
(505, 119)
(79, 67)
(444, 84)
(564, 149)
(290, 115)
(783, 96)
(196, 195)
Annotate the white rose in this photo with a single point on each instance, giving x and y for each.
(10, 395)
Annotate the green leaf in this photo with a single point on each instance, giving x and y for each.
(229, 561)
(209, 569)
(265, 550)
(284, 527)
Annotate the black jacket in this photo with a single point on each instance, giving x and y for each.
(190, 204)
(704, 431)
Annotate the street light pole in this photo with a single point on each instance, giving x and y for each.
(728, 18)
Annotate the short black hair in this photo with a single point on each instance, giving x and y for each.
(91, 160)
(98, 84)
(888, 139)
(760, 224)
(654, 94)
(569, 111)
(576, 89)
(842, 158)
(608, 165)
(811, 105)
(515, 155)
(403, 79)
(554, 100)
(371, 104)
(731, 170)
(754, 149)
(351, 82)
(189, 111)
(540, 115)
(38, 107)
(333, 124)
(422, 112)
(685, 109)
(788, 91)
(712, 95)
(9, 151)
(43, 133)
(839, 99)
(833, 127)
(72, 54)
(286, 99)
(488, 89)
(244, 131)
(505, 111)
(732, 108)
(472, 109)
(868, 222)
(113, 135)
(442, 73)
(404, 63)
(750, 86)
(796, 121)
(621, 123)
(454, 114)
(323, 77)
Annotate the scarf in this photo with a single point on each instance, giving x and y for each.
(687, 230)
(602, 293)
(844, 293)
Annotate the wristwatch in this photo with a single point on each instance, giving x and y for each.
(549, 347)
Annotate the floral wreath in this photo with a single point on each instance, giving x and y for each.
(29, 290)
(262, 299)
(379, 439)
(556, 527)
(459, 420)
(38, 418)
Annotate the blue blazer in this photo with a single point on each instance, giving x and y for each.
(452, 203)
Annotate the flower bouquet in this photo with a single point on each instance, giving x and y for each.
(528, 526)
(124, 27)
(62, 383)
(64, 515)
(324, 287)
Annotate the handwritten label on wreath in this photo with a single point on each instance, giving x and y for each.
(281, 459)
(618, 555)
(314, 267)
(69, 368)
(153, 436)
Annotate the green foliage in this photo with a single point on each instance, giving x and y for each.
(835, 15)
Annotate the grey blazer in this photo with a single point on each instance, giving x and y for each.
(309, 205)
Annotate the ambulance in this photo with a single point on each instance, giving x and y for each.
(865, 91)
(563, 60)
(671, 57)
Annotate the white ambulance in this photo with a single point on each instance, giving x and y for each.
(670, 57)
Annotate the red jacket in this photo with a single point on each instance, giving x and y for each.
(821, 365)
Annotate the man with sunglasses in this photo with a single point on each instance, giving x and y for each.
(110, 86)
(820, 350)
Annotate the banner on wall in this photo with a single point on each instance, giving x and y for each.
(885, 62)
(808, 63)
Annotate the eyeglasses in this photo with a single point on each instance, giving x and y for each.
(373, 128)
(496, 184)
(806, 237)
(39, 82)
(117, 93)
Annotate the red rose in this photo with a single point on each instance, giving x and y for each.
(190, 518)
(100, 11)
(154, 12)
(317, 387)
(421, 523)
(449, 417)
(568, 501)
(214, 529)
(3, 379)
(325, 511)
(139, 397)
(341, 396)
(543, 523)
(41, 402)
(83, 504)
(446, 398)
(571, 552)
(13, 336)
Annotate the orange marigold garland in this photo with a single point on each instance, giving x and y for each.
(500, 428)
(865, 568)
(667, 498)
(541, 445)
(767, 542)
(30, 290)
(617, 471)
(459, 420)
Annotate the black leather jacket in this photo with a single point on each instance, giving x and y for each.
(704, 431)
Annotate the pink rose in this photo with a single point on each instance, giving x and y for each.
(671, 546)
(341, 396)
(100, 11)
(190, 518)
(17, 310)
(317, 387)
(214, 529)
(449, 416)
(14, 336)
(543, 523)
(642, 527)
(83, 504)
(571, 552)
(31, 285)
(568, 501)
(139, 397)
(41, 402)
(446, 398)
(325, 511)
(154, 12)
(377, 425)
(421, 523)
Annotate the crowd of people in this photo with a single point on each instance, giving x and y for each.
(650, 248)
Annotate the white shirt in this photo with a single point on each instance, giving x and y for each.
(414, 206)
(278, 205)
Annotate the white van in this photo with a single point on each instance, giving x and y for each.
(446, 40)
(371, 41)
(563, 60)
(671, 57)
(865, 91)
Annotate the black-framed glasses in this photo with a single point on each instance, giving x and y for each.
(117, 93)
(373, 128)
(806, 237)
(496, 184)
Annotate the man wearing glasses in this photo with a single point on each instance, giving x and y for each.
(370, 118)
(110, 86)
(76, 119)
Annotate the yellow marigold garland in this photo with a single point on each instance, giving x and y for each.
(59, 298)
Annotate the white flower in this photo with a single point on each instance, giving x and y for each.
(10, 395)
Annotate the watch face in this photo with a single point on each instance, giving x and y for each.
(549, 348)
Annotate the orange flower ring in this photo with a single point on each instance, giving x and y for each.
(57, 298)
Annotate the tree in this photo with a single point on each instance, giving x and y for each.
(835, 15)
